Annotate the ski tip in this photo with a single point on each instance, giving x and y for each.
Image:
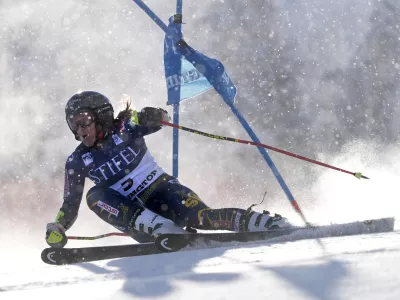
(172, 242)
(359, 175)
(48, 257)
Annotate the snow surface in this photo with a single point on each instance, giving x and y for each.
(352, 267)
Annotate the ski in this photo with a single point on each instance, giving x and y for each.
(66, 256)
(175, 242)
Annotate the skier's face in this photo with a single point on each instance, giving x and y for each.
(84, 126)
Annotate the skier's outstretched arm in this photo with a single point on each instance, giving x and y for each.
(73, 191)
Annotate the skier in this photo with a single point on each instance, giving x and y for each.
(131, 191)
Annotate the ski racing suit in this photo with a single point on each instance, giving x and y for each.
(131, 190)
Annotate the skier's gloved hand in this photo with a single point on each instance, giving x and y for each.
(151, 116)
(55, 235)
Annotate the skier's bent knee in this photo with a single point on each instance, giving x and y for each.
(128, 216)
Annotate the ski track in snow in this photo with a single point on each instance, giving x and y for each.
(350, 267)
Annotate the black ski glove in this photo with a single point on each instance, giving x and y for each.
(151, 116)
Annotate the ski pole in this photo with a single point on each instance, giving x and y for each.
(229, 139)
(151, 14)
(90, 238)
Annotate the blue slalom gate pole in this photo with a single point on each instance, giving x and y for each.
(175, 142)
(151, 14)
(175, 134)
(175, 131)
(269, 161)
(220, 83)
(179, 7)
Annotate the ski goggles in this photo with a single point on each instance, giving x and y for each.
(82, 119)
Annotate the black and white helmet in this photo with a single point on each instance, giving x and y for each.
(95, 103)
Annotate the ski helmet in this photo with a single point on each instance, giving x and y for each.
(96, 104)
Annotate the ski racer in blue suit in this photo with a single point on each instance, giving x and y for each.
(131, 191)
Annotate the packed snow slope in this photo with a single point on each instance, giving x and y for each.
(352, 267)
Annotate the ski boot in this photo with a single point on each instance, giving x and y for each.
(254, 221)
(145, 221)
